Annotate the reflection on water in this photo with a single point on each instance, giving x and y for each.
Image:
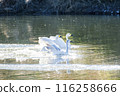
(95, 52)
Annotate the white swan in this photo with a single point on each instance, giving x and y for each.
(55, 44)
(58, 41)
(68, 42)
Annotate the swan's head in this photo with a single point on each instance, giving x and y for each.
(58, 36)
(68, 35)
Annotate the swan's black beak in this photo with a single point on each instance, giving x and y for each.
(71, 34)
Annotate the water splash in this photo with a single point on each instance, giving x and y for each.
(57, 67)
(23, 52)
(47, 61)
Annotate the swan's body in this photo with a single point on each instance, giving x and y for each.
(55, 44)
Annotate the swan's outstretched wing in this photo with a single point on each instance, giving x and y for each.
(58, 41)
(52, 37)
(61, 43)
(44, 41)
(48, 44)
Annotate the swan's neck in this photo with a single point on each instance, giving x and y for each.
(66, 37)
(67, 46)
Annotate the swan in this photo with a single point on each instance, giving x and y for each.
(58, 41)
(68, 42)
(54, 44)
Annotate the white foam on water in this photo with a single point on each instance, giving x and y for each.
(47, 61)
(15, 45)
(29, 51)
(56, 67)
(77, 46)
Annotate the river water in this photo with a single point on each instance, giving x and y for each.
(94, 54)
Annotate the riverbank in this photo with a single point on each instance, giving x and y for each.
(59, 7)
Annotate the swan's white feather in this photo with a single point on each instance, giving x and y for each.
(54, 44)
(48, 45)
(58, 41)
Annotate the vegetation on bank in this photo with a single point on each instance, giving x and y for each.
(38, 7)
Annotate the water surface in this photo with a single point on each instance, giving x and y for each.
(94, 54)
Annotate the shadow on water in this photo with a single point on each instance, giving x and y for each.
(97, 36)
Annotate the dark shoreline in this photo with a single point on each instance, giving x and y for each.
(59, 7)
